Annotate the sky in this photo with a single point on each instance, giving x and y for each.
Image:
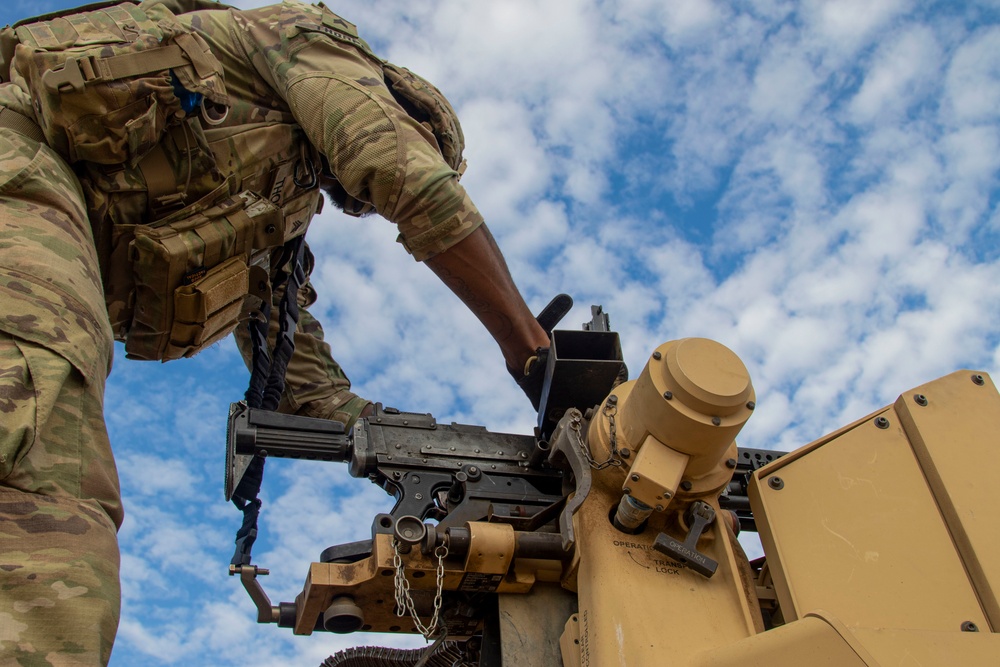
(812, 184)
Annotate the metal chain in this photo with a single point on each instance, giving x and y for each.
(610, 410)
(404, 603)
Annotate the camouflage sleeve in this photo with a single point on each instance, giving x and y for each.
(335, 89)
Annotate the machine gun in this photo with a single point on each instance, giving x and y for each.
(569, 546)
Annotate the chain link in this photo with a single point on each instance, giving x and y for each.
(404, 603)
(610, 410)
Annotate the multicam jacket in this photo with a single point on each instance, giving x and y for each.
(302, 93)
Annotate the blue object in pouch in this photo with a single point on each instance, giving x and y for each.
(189, 101)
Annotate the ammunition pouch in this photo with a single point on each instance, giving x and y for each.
(192, 272)
(103, 81)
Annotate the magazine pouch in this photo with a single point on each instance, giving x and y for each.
(192, 272)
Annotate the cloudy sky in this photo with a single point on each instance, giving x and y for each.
(813, 184)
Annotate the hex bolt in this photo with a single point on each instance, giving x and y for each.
(881, 422)
(751, 405)
(716, 421)
(668, 395)
(473, 470)
(627, 491)
(612, 399)
(659, 508)
(920, 399)
(969, 626)
(667, 495)
(686, 485)
(634, 477)
(418, 496)
(776, 483)
(624, 452)
(657, 355)
(730, 463)
(978, 379)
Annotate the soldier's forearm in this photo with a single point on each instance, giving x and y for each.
(475, 270)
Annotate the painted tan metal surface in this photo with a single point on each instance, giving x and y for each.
(821, 640)
(851, 526)
(709, 391)
(637, 606)
(817, 640)
(370, 581)
(493, 547)
(953, 425)
(569, 642)
(656, 474)
(892, 646)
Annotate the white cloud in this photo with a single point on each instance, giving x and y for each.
(850, 23)
(899, 77)
(973, 79)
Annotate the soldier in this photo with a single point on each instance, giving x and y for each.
(158, 162)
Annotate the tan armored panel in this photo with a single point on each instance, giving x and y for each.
(889, 522)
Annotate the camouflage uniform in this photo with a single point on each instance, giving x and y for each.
(59, 496)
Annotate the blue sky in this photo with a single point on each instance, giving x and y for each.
(813, 184)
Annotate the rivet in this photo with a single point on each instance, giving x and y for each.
(920, 399)
(881, 422)
(627, 491)
(668, 395)
(716, 421)
(659, 508)
(776, 483)
(657, 355)
(730, 463)
(751, 405)
(978, 379)
(634, 477)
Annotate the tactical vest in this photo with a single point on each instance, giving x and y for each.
(137, 103)
(109, 84)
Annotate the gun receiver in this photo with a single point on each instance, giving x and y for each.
(448, 473)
